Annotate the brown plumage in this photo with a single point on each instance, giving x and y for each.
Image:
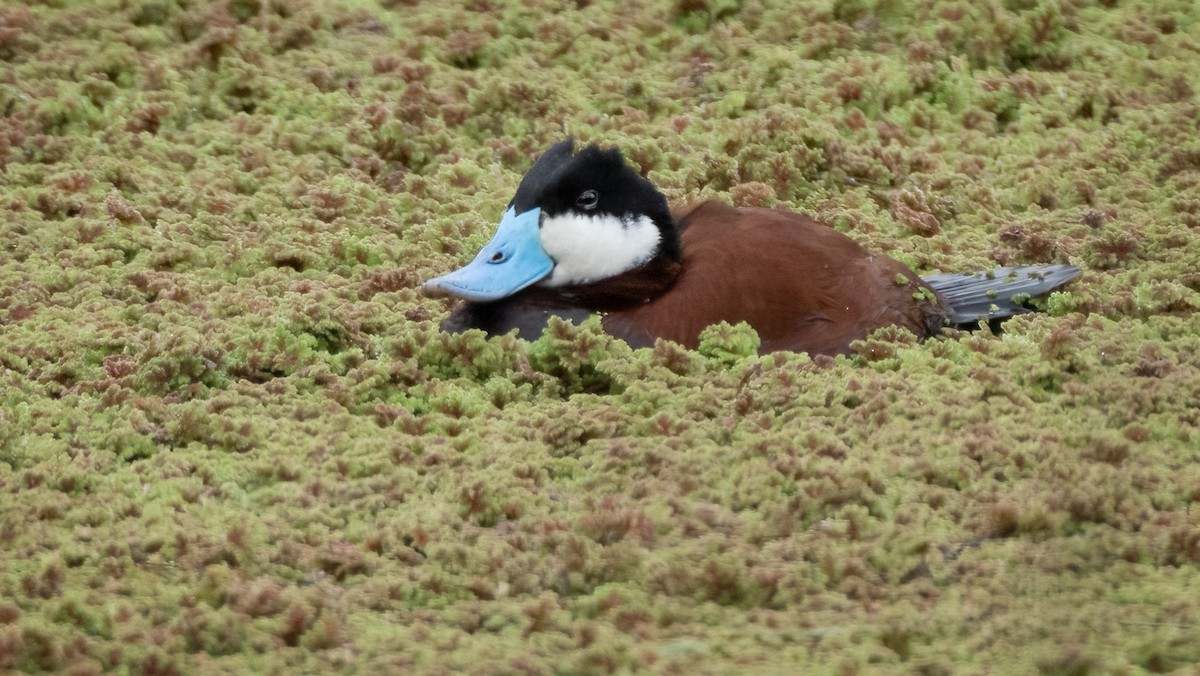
(802, 285)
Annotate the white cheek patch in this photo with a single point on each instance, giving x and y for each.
(588, 248)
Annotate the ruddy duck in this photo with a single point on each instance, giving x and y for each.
(586, 234)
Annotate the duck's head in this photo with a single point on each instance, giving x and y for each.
(577, 218)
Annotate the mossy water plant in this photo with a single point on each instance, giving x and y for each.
(233, 439)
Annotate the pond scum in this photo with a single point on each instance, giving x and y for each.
(232, 439)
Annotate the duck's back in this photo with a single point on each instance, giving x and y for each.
(802, 285)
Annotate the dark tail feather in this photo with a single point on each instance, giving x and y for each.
(999, 293)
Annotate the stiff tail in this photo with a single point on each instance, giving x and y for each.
(969, 297)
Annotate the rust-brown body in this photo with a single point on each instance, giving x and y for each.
(802, 285)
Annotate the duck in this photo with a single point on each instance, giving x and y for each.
(586, 234)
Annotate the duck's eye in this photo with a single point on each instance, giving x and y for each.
(588, 199)
(497, 257)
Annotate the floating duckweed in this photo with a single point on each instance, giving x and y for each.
(232, 438)
(729, 344)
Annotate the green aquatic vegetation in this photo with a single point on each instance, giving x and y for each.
(233, 439)
(729, 344)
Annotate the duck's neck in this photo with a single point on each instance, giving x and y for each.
(669, 245)
(628, 289)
